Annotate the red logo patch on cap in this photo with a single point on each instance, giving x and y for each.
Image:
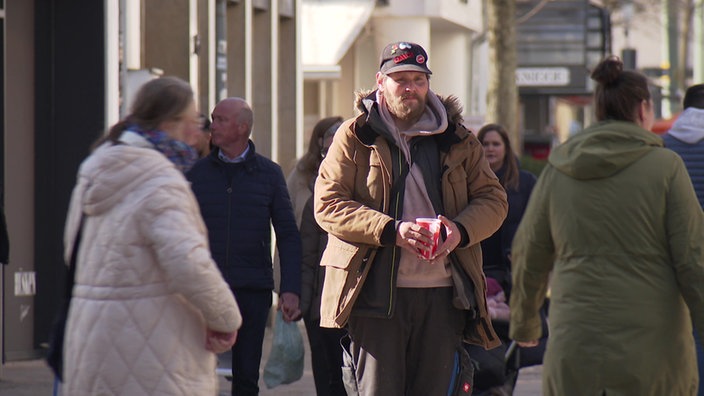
(420, 59)
(402, 57)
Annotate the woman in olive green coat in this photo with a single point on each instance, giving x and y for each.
(615, 219)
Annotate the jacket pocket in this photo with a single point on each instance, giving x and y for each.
(369, 177)
(346, 267)
(338, 254)
(457, 180)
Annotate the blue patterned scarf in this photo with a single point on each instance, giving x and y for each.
(178, 152)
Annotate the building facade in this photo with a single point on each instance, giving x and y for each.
(558, 43)
(342, 40)
(68, 72)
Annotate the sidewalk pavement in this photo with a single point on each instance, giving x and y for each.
(34, 378)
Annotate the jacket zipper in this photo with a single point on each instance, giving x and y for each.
(395, 248)
(229, 221)
(365, 260)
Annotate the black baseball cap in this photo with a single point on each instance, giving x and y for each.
(403, 56)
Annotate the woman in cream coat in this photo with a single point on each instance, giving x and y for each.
(149, 308)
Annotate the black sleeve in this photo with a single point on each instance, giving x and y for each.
(4, 240)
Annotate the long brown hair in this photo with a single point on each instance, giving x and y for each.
(158, 100)
(310, 162)
(618, 92)
(510, 178)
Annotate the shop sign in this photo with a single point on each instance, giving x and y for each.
(542, 76)
(25, 283)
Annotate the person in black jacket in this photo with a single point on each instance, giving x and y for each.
(4, 240)
(325, 349)
(496, 254)
(241, 195)
(518, 184)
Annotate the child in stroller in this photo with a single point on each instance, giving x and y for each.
(496, 370)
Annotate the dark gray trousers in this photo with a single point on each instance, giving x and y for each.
(412, 353)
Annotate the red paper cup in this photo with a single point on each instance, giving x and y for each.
(434, 226)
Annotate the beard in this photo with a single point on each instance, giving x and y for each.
(408, 111)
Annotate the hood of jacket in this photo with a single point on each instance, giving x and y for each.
(689, 126)
(603, 150)
(366, 99)
(113, 171)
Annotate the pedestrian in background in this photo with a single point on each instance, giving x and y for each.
(406, 156)
(496, 250)
(149, 306)
(686, 138)
(301, 180)
(325, 349)
(201, 138)
(241, 195)
(616, 222)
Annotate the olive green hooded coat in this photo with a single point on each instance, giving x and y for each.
(615, 219)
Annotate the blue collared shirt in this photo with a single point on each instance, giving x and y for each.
(239, 158)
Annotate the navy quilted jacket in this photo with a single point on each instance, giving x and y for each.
(686, 138)
(239, 203)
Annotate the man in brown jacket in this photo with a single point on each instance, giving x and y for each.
(406, 156)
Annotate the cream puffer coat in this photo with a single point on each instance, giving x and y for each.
(146, 287)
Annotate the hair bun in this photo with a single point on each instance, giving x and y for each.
(608, 71)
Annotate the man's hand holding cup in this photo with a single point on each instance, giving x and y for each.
(431, 231)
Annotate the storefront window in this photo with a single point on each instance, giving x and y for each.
(554, 36)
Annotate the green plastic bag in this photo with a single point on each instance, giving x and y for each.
(285, 363)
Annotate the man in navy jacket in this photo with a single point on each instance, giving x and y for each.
(241, 195)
